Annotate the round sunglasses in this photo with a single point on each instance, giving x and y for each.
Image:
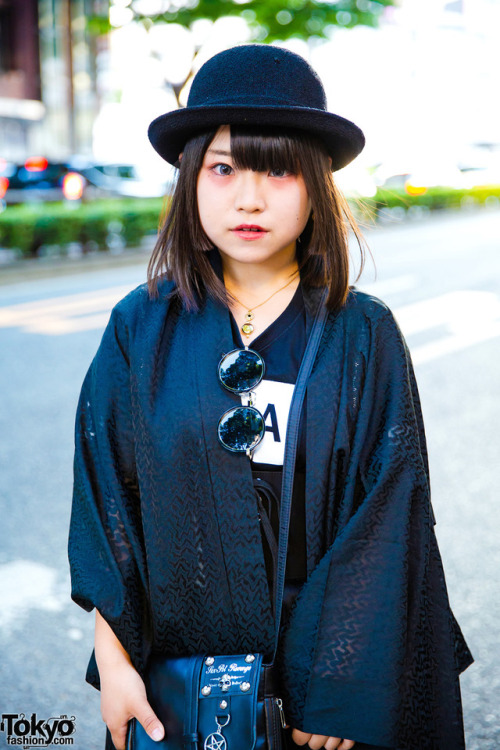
(241, 428)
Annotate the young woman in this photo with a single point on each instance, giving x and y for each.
(176, 503)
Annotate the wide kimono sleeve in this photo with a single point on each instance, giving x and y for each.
(372, 651)
(106, 549)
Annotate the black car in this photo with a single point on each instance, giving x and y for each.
(39, 180)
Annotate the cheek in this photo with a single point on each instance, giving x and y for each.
(212, 200)
(302, 203)
(303, 209)
(205, 205)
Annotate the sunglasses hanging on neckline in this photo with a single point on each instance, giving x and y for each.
(241, 428)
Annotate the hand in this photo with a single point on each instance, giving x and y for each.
(317, 741)
(123, 696)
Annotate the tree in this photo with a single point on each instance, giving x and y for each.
(268, 21)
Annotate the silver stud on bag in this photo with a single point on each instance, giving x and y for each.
(206, 690)
(209, 661)
(223, 705)
(245, 686)
(249, 658)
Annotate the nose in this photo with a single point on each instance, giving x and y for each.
(249, 196)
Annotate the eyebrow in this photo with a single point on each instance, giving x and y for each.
(219, 152)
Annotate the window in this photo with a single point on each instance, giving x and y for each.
(6, 38)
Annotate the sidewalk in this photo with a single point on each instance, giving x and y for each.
(42, 268)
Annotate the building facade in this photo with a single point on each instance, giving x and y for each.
(48, 93)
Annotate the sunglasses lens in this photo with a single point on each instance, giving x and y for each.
(241, 429)
(241, 370)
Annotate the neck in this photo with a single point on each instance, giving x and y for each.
(261, 297)
(254, 281)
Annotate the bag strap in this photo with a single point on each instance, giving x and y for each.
(264, 490)
(290, 454)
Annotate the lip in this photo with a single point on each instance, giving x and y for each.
(249, 231)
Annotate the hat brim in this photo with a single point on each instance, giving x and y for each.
(343, 139)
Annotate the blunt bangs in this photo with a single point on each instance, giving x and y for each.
(265, 149)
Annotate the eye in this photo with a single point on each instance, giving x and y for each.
(279, 173)
(223, 169)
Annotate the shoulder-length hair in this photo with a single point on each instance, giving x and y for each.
(181, 252)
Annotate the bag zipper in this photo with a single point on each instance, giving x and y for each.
(279, 703)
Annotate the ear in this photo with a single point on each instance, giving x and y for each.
(178, 162)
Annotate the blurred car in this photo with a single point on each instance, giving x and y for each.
(40, 180)
(417, 178)
(126, 180)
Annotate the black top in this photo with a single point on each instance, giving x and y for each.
(282, 347)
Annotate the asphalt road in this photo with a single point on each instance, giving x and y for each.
(441, 276)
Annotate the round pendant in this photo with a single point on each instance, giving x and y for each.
(249, 316)
(215, 741)
(247, 329)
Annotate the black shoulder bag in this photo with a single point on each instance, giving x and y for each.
(230, 702)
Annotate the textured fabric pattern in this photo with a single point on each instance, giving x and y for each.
(165, 538)
(376, 660)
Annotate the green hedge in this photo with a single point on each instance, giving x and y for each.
(436, 198)
(92, 225)
(99, 224)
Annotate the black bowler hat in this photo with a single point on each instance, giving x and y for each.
(257, 84)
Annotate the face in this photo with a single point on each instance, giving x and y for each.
(251, 217)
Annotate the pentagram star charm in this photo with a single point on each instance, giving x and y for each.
(215, 741)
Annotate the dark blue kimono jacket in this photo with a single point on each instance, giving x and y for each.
(165, 538)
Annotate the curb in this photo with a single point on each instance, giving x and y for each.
(43, 268)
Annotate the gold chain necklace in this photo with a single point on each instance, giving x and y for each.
(247, 328)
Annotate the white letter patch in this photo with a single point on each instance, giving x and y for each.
(273, 400)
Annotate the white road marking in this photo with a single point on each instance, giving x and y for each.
(390, 286)
(26, 585)
(452, 344)
(464, 317)
(59, 315)
(75, 634)
(458, 310)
